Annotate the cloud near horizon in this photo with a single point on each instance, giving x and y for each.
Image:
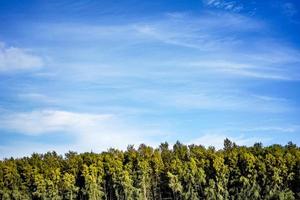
(89, 131)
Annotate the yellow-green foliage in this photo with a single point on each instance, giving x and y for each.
(181, 173)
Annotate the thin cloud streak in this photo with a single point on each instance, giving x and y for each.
(227, 101)
(264, 58)
(229, 5)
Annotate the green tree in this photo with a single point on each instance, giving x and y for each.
(93, 177)
(69, 188)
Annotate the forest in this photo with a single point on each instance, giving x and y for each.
(180, 172)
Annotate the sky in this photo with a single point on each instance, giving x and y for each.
(88, 75)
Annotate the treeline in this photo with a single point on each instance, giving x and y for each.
(181, 172)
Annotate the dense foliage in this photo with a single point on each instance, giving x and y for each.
(183, 172)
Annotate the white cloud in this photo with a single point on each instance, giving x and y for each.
(45, 121)
(89, 131)
(14, 59)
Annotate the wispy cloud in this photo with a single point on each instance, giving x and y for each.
(45, 121)
(264, 58)
(214, 48)
(14, 59)
(222, 100)
(251, 66)
(182, 29)
(90, 131)
(98, 132)
(202, 33)
(230, 5)
(230, 44)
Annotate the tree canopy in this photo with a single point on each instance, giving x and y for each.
(184, 172)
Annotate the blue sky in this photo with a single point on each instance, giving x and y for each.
(88, 75)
